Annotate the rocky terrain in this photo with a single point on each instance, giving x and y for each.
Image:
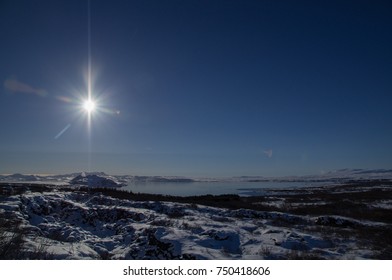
(350, 221)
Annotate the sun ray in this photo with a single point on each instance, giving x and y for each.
(89, 89)
(89, 104)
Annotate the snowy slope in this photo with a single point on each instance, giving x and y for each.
(78, 225)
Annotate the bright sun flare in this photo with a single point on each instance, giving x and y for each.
(89, 106)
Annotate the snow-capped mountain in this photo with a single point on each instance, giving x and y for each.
(20, 177)
(93, 180)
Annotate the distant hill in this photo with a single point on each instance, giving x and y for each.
(98, 178)
(92, 180)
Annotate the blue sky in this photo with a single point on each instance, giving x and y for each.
(196, 88)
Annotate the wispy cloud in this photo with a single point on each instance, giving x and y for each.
(17, 86)
(268, 153)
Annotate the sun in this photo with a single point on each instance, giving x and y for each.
(89, 106)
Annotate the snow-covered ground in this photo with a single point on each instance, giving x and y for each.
(59, 223)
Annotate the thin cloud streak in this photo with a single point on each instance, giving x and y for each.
(17, 86)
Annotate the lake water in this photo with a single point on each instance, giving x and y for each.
(214, 188)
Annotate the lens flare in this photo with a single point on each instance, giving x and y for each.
(89, 106)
